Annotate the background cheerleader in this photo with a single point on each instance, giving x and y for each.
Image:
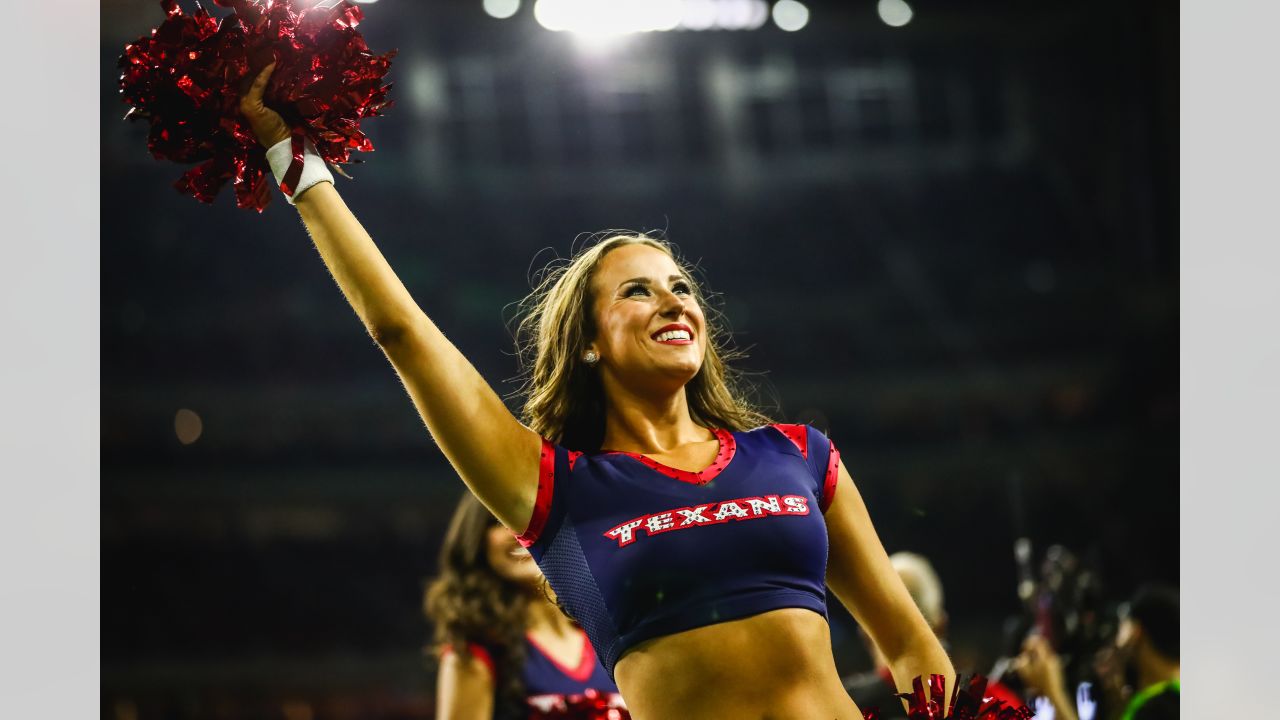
(505, 650)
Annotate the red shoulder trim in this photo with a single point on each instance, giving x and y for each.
(546, 486)
(476, 651)
(797, 434)
(833, 475)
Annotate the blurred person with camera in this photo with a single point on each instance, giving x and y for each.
(1140, 672)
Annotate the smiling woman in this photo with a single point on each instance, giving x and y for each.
(633, 427)
(610, 301)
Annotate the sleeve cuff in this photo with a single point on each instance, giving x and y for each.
(546, 489)
(831, 480)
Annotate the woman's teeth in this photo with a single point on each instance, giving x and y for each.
(673, 335)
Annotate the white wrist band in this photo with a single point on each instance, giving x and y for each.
(280, 157)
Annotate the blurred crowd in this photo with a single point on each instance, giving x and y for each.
(1073, 654)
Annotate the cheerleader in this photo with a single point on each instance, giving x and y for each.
(688, 535)
(505, 649)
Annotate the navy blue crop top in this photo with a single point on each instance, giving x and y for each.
(636, 550)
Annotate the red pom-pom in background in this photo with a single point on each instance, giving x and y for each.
(590, 705)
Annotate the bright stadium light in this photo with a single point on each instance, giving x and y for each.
(790, 15)
(699, 14)
(741, 14)
(553, 15)
(759, 13)
(501, 9)
(599, 19)
(894, 13)
(663, 15)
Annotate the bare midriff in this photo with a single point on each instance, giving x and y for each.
(772, 666)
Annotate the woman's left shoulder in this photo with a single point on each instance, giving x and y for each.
(802, 436)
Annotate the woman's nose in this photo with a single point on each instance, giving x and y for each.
(671, 303)
(672, 307)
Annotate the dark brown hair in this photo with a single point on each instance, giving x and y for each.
(469, 602)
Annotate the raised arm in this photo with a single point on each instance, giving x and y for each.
(860, 574)
(492, 451)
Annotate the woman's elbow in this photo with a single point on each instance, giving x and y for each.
(388, 334)
(391, 330)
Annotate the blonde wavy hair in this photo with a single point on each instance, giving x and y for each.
(563, 397)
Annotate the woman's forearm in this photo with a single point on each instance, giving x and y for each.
(363, 274)
(365, 277)
(922, 658)
(496, 456)
(493, 453)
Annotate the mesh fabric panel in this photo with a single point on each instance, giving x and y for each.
(566, 569)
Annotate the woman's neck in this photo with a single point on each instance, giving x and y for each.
(649, 425)
(542, 616)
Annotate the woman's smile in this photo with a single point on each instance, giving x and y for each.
(674, 334)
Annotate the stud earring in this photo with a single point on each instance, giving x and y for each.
(591, 358)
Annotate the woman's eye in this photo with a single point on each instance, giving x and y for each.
(637, 289)
(682, 288)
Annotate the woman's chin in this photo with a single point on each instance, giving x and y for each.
(672, 379)
(686, 372)
(532, 581)
(684, 368)
(670, 375)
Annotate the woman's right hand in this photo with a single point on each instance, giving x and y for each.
(267, 124)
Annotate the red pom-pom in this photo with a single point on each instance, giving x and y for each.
(966, 703)
(187, 76)
(590, 705)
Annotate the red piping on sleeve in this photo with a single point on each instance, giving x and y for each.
(798, 435)
(542, 505)
(478, 652)
(833, 474)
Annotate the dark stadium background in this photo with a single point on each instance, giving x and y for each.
(952, 245)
